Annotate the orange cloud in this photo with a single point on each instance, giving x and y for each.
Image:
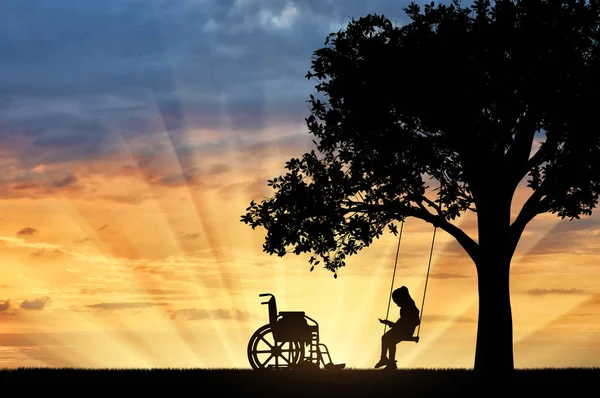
(28, 231)
(37, 304)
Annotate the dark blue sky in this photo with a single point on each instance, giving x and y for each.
(74, 70)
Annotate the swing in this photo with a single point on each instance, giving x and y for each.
(412, 338)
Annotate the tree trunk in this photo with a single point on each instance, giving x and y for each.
(494, 349)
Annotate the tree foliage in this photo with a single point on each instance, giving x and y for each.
(455, 99)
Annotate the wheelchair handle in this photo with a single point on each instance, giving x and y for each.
(266, 294)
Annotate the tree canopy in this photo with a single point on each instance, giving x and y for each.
(454, 99)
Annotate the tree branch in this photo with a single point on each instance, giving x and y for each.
(536, 158)
(431, 203)
(536, 204)
(438, 221)
(470, 246)
(517, 157)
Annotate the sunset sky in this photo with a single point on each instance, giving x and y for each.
(133, 135)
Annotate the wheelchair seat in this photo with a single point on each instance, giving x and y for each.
(292, 313)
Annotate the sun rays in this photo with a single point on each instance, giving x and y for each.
(200, 214)
(161, 214)
(229, 270)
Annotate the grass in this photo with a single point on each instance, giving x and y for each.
(344, 383)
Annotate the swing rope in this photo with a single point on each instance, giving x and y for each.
(393, 276)
(426, 278)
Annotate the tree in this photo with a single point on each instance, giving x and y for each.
(456, 97)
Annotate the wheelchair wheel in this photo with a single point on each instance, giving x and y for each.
(264, 352)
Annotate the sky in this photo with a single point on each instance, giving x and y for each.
(133, 135)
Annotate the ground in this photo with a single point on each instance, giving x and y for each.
(344, 383)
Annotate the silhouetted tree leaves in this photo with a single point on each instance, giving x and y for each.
(456, 97)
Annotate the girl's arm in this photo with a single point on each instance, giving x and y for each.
(386, 322)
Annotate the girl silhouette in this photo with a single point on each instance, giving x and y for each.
(399, 331)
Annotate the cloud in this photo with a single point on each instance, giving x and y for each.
(194, 314)
(544, 292)
(28, 231)
(188, 236)
(40, 252)
(93, 291)
(127, 199)
(576, 236)
(37, 253)
(36, 304)
(448, 318)
(4, 305)
(123, 306)
(71, 96)
(66, 181)
(5, 308)
(30, 183)
(442, 275)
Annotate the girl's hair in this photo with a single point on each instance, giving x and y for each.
(400, 294)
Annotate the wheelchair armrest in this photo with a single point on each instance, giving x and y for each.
(266, 294)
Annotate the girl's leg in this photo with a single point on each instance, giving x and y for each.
(392, 350)
(384, 345)
(391, 342)
(401, 334)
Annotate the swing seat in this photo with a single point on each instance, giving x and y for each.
(413, 338)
